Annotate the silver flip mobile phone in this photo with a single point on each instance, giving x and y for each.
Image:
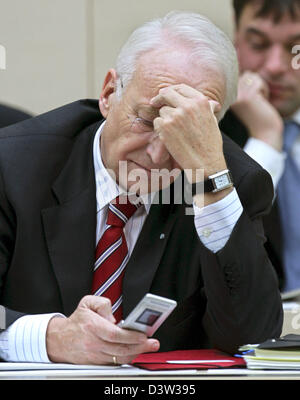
(149, 314)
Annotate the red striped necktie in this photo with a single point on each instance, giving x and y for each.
(112, 255)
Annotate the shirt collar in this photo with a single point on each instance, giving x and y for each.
(107, 188)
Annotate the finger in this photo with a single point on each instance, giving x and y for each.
(114, 334)
(264, 89)
(175, 96)
(100, 305)
(166, 111)
(166, 97)
(110, 359)
(254, 82)
(157, 125)
(259, 83)
(191, 93)
(249, 75)
(187, 91)
(214, 106)
(259, 87)
(128, 350)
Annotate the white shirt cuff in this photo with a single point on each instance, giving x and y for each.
(270, 159)
(25, 339)
(214, 223)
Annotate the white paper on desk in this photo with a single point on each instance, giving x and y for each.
(290, 305)
(27, 366)
(292, 294)
(41, 370)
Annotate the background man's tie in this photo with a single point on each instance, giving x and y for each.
(112, 255)
(288, 196)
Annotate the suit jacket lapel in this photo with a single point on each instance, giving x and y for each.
(70, 226)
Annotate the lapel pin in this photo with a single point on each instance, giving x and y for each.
(162, 236)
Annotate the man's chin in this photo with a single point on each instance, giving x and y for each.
(285, 109)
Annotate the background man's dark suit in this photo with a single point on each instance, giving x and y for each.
(10, 115)
(234, 129)
(47, 239)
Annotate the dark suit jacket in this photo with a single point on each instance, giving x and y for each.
(10, 115)
(47, 240)
(234, 129)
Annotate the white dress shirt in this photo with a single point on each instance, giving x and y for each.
(270, 159)
(25, 339)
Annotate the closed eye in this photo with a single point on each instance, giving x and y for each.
(142, 125)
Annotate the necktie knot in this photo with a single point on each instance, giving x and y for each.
(120, 210)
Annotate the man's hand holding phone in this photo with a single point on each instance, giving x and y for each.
(90, 336)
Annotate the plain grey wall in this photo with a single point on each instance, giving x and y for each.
(58, 51)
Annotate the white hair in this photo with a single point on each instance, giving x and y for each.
(208, 44)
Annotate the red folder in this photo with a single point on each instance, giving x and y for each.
(188, 359)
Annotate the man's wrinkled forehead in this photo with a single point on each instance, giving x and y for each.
(168, 66)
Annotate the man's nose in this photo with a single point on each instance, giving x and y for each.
(157, 151)
(277, 61)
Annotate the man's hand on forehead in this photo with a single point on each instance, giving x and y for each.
(176, 95)
(188, 127)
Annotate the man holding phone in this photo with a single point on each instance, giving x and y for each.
(82, 247)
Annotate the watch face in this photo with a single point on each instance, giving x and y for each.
(221, 181)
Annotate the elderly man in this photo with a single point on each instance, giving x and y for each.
(67, 278)
(266, 116)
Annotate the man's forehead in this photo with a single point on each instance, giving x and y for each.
(170, 66)
(254, 12)
(167, 62)
(287, 30)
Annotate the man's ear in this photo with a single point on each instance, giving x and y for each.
(108, 88)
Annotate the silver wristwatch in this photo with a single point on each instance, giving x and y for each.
(214, 183)
(219, 181)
